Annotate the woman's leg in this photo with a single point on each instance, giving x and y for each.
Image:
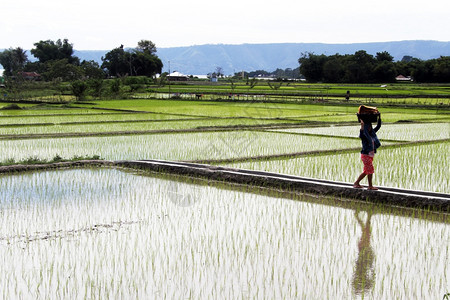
(369, 179)
(357, 182)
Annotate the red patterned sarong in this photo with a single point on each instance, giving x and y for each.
(368, 164)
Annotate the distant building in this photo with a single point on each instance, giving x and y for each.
(403, 78)
(214, 77)
(177, 76)
(30, 75)
(201, 76)
(264, 77)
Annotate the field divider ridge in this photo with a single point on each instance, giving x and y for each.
(260, 179)
(390, 196)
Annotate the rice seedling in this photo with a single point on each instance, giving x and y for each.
(401, 132)
(133, 125)
(229, 109)
(423, 167)
(81, 118)
(187, 146)
(35, 110)
(103, 233)
(387, 117)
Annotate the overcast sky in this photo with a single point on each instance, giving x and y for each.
(104, 25)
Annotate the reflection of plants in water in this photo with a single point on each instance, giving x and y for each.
(364, 274)
(179, 195)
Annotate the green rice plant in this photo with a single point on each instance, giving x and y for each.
(136, 125)
(85, 118)
(322, 112)
(387, 117)
(32, 110)
(186, 146)
(423, 167)
(400, 132)
(227, 109)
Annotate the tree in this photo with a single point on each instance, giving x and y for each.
(146, 64)
(115, 87)
(311, 66)
(441, 70)
(13, 60)
(62, 69)
(96, 87)
(384, 56)
(258, 73)
(92, 70)
(146, 46)
(115, 62)
(284, 74)
(360, 66)
(48, 50)
(421, 70)
(55, 60)
(385, 72)
(140, 61)
(334, 69)
(433, 70)
(78, 89)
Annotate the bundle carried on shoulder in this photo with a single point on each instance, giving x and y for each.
(367, 114)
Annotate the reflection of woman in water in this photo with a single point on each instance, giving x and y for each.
(364, 275)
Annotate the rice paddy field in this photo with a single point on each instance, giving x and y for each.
(122, 234)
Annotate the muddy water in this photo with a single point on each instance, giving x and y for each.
(105, 233)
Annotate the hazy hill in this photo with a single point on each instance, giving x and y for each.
(203, 59)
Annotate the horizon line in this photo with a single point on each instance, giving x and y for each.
(268, 43)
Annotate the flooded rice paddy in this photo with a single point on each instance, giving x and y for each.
(110, 233)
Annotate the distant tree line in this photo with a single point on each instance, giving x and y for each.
(362, 67)
(279, 74)
(56, 60)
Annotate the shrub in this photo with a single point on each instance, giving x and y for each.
(78, 89)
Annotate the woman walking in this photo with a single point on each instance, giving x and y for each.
(370, 143)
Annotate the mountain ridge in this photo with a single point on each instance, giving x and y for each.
(204, 59)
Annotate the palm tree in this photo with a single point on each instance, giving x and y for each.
(20, 57)
(13, 60)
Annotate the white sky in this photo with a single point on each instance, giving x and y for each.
(104, 25)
